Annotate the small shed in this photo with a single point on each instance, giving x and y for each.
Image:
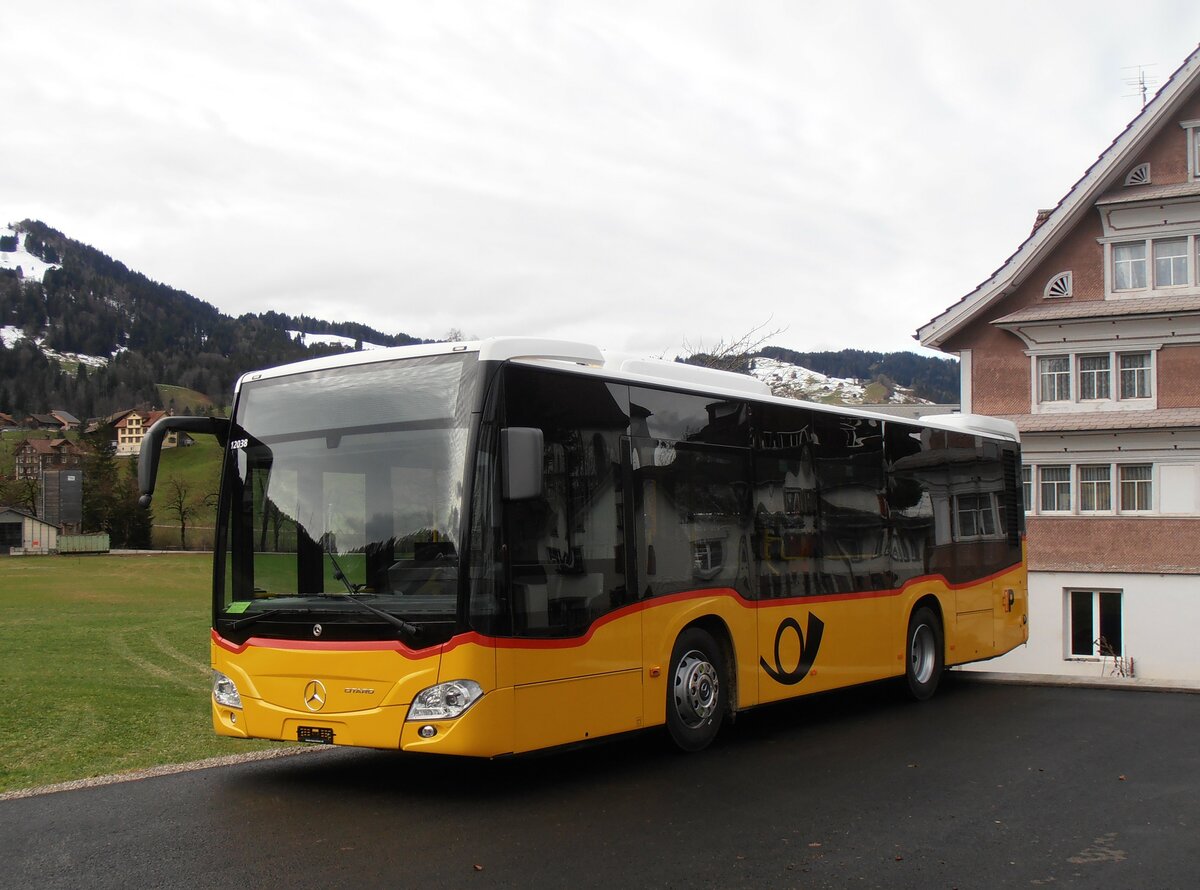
(22, 532)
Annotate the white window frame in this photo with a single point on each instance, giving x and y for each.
(1133, 264)
(1188, 247)
(1152, 287)
(1069, 482)
(1147, 372)
(1095, 486)
(1096, 654)
(1031, 475)
(1148, 483)
(1095, 375)
(1027, 488)
(1057, 376)
(1114, 401)
(1193, 148)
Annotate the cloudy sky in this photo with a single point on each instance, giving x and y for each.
(638, 174)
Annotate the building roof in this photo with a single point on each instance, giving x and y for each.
(1082, 309)
(1137, 193)
(1091, 421)
(1096, 182)
(149, 418)
(46, 446)
(25, 514)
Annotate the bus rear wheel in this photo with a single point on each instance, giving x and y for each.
(695, 703)
(925, 654)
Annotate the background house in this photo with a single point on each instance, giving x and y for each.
(1088, 337)
(131, 427)
(42, 422)
(32, 457)
(67, 420)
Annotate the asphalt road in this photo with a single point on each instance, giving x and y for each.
(985, 786)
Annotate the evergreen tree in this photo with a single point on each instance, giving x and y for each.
(139, 520)
(100, 506)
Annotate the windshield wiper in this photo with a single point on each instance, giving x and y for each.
(410, 629)
(239, 623)
(352, 590)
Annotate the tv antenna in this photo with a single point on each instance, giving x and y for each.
(1140, 81)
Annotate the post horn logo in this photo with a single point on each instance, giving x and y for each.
(314, 695)
(808, 650)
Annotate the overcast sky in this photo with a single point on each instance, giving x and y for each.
(635, 174)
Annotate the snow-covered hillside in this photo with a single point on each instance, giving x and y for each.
(10, 335)
(32, 268)
(795, 382)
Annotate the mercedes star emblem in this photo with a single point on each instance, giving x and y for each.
(314, 695)
(317, 630)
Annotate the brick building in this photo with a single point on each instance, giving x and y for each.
(1088, 337)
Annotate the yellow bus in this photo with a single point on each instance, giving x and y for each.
(497, 547)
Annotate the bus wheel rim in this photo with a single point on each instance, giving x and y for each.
(922, 655)
(697, 689)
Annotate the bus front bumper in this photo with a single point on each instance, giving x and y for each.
(484, 730)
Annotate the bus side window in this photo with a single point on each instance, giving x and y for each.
(692, 480)
(565, 556)
(848, 465)
(786, 539)
(696, 518)
(916, 477)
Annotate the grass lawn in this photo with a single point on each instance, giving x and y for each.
(105, 666)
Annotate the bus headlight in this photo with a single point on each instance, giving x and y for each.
(445, 701)
(225, 691)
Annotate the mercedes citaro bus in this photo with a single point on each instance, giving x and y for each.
(495, 547)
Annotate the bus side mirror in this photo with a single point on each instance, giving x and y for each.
(152, 446)
(521, 462)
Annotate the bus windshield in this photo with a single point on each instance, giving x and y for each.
(344, 500)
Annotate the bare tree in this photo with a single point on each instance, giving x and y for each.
(182, 504)
(22, 493)
(733, 353)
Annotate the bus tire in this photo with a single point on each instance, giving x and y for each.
(926, 656)
(695, 690)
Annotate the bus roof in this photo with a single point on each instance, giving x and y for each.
(588, 359)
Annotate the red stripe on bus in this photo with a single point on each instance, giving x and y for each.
(473, 637)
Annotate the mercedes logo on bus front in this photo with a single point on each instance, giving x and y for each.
(317, 630)
(314, 695)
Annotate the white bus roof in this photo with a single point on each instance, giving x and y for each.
(588, 359)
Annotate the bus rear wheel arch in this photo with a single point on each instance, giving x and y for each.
(924, 653)
(697, 690)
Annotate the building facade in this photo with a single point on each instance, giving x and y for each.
(1088, 337)
(33, 457)
(131, 427)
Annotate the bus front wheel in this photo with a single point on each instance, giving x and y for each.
(695, 706)
(925, 654)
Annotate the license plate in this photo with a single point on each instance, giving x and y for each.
(316, 735)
